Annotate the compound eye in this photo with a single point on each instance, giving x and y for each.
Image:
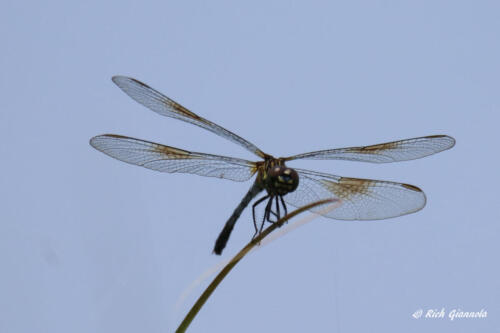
(285, 176)
(290, 178)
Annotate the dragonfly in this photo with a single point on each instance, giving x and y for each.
(357, 198)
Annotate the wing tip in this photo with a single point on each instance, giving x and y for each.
(117, 79)
(93, 141)
(451, 140)
(121, 81)
(423, 199)
(424, 202)
(412, 187)
(96, 140)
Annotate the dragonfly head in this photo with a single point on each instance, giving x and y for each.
(280, 180)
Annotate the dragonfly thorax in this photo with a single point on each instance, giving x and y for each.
(280, 180)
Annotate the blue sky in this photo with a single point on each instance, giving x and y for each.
(88, 243)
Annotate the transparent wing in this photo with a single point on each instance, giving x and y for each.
(168, 159)
(395, 151)
(163, 105)
(360, 199)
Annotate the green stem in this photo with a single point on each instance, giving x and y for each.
(222, 274)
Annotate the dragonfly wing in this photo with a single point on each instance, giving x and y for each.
(360, 199)
(165, 106)
(395, 151)
(169, 159)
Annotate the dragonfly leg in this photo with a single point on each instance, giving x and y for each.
(273, 214)
(267, 213)
(278, 215)
(253, 214)
(284, 205)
